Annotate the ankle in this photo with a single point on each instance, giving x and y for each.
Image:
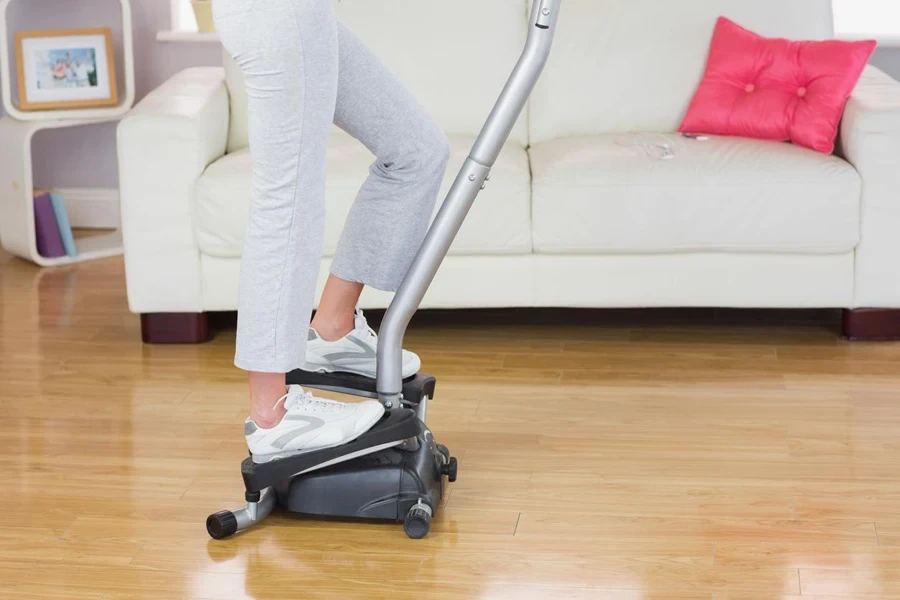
(265, 391)
(267, 419)
(332, 328)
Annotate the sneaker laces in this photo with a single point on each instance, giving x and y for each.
(302, 399)
(361, 325)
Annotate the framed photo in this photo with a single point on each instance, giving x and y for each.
(64, 69)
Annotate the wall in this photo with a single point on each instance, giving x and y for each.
(888, 59)
(86, 157)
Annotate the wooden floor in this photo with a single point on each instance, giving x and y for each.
(693, 457)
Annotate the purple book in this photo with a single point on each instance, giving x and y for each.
(49, 241)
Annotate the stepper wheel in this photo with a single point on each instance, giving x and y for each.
(443, 450)
(221, 525)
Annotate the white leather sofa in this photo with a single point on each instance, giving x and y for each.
(578, 212)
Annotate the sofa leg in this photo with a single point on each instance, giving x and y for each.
(174, 328)
(872, 324)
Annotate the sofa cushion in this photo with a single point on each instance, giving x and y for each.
(499, 222)
(633, 65)
(454, 56)
(612, 193)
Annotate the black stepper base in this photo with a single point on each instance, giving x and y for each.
(394, 426)
(380, 486)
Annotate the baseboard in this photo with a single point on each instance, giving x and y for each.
(92, 208)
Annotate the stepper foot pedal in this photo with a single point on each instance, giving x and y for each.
(414, 389)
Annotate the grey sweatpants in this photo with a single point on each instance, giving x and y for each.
(304, 72)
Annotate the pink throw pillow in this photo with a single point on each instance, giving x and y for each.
(775, 89)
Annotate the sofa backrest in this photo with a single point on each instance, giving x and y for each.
(633, 65)
(616, 65)
(455, 56)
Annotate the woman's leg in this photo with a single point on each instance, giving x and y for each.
(392, 210)
(287, 51)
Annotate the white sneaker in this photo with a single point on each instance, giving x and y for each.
(353, 353)
(310, 424)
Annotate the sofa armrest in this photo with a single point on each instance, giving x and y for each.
(164, 144)
(870, 140)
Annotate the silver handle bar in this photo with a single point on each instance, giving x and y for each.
(471, 180)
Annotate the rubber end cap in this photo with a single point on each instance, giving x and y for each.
(417, 523)
(221, 525)
(450, 469)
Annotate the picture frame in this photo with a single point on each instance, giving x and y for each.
(65, 69)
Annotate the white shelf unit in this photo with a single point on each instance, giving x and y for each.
(184, 27)
(7, 70)
(17, 228)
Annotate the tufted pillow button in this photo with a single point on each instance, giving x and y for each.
(801, 92)
(750, 88)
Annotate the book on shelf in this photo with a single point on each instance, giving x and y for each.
(52, 229)
(62, 222)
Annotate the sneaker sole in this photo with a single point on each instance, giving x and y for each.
(327, 370)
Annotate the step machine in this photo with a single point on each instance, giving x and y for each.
(395, 471)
